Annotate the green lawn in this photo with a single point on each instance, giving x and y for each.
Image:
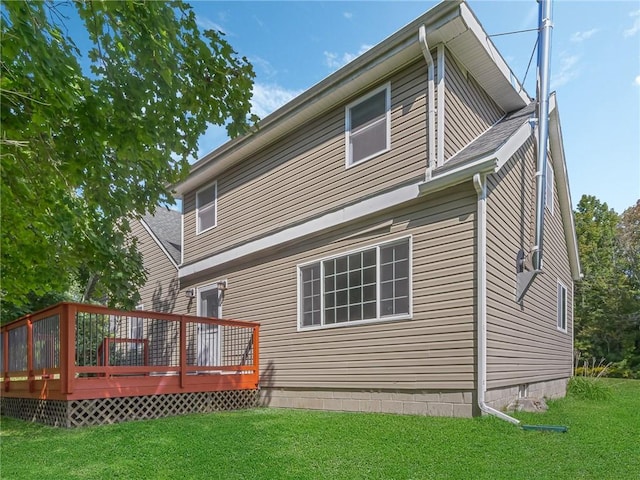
(603, 442)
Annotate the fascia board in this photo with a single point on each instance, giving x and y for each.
(564, 193)
(459, 175)
(298, 232)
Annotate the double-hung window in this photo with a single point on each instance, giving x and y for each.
(364, 285)
(562, 307)
(368, 126)
(206, 207)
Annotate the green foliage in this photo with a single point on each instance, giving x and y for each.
(83, 152)
(607, 305)
(585, 387)
(295, 444)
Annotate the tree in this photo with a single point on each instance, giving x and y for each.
(84, 151)
(603, 299)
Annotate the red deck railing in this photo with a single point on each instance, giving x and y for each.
(74, 351)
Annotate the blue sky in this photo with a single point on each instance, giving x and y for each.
(595, 67)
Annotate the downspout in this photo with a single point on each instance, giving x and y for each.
(431, 98)
(480, 184)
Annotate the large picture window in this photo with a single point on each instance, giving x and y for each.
(368, 131)
(206, 206)
(364, 285)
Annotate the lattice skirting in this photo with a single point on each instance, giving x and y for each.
(80, 413)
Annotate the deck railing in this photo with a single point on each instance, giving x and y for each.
(76, 351)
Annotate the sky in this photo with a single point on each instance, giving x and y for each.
(595, 67)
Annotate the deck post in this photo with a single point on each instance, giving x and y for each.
(68, 347)
(5, 359)
(30, 376)
(256, 353)
(183, 351)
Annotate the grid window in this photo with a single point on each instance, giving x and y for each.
(206, 206)
(360, 286)
(368, 126)
(562, 307)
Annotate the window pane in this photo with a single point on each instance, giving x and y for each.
(369, 275)
(329, 300)
(341, 298)
(329, 267)
(386, 308)
(355, 261)
(329, 316)
(401, 306)
(355, 278)
(206, 196)
(355, 312)
(386, 271)
(206, 217)
(341, 281)
(342, 314)
(369, 141)
(371, 109)
(341, 264)
(394, 279)
(369, 258)
(310, 295)
(369, 293)
(369, 311)
(355, 295)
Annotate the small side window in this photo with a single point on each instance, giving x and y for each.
(206, 208)
(562, 307)
(368, 126)
(548, 194)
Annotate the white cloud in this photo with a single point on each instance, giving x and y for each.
(582, 36)
(568, 71)
(207, 24)
(347, 15)
(636, 81)
(336, 60)
(635, 28)
(268, 98)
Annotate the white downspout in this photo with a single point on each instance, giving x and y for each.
(431, 98)
(480, 184)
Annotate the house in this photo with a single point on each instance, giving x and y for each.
(379, 227)
(159, 238)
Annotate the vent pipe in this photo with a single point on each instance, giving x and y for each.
(525, 278)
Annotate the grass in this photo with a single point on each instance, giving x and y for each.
(602, 443)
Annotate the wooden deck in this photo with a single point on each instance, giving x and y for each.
(76, 352)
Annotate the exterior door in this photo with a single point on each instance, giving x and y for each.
(208, 336)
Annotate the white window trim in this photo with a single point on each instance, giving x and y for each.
(561, 287)
(378, 319)
(215, 208)
(347, 124)
(549, 201)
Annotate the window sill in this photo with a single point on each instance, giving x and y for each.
(398, 318)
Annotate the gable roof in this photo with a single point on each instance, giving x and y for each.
(165, 226)
(450, 22)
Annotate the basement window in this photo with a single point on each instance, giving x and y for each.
(370, 284)
(368, 126)
(206, 208)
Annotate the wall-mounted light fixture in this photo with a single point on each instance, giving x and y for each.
(222, 285)
(190, 293)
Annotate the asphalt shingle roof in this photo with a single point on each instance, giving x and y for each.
(491, 140)
(166, 226)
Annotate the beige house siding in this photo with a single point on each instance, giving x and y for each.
(524, 345)
(469, 110)
(433, 350)
(161, 292)
(304, 174)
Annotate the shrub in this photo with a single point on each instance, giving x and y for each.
(588, 388)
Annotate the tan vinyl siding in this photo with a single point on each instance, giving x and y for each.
(433, 350)
(161, 292)
(524, 344)
(469, 111)
(304, 174)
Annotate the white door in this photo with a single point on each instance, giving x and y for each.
(208, 336)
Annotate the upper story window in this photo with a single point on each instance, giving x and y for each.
(562, 307)
(206, 207)
(548, 194)
(361, 286)
(368, 125)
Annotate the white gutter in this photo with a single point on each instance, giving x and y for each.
(480, 184)
(432, 161)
